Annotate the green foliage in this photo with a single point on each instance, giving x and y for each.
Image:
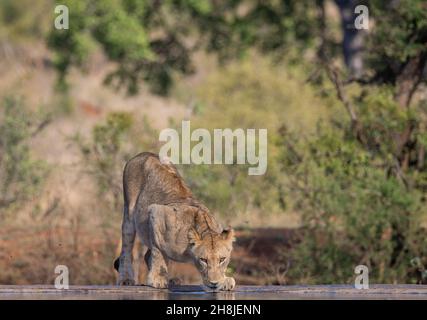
(142, 36)
(72, 47)
(21, 176)
(104, 155)
(400, 34)
(108, 136)
(152, 40)
(24, 19)
(419, 267)
(112, 143)
(357, 205)
(250, 94)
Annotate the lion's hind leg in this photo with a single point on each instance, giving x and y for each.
(124, 263)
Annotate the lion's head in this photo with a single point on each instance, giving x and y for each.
(211, 255)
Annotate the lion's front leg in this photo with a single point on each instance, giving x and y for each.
(157, 270)
(157, 262)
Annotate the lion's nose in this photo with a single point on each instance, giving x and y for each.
(213, 283)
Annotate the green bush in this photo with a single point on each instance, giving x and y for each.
(103, 154)
(112, 143)
(25, 20)
(21, 175)
(252, 93)
(356, 203)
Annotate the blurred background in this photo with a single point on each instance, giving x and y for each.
(344, 100)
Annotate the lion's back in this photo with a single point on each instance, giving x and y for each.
(159, 182)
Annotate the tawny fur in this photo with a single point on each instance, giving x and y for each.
(171, 224)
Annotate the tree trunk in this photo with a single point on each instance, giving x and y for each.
(353, 38)
(406, 84)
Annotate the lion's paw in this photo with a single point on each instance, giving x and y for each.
(158, 283)
(228, 284)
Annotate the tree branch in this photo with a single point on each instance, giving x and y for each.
(41, 126)
(333, 76)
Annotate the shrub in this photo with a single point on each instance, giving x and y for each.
(112, 143)
(253, 93)
(356, 203)
(21, 175)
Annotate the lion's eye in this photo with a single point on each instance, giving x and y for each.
(205, 261)
(222, 260)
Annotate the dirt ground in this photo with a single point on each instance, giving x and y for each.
(30, 257)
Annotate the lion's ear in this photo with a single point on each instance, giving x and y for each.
(193, 236)
(228, 234)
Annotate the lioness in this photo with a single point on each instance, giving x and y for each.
(171, 225)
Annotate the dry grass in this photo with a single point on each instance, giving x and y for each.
(30, 255)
